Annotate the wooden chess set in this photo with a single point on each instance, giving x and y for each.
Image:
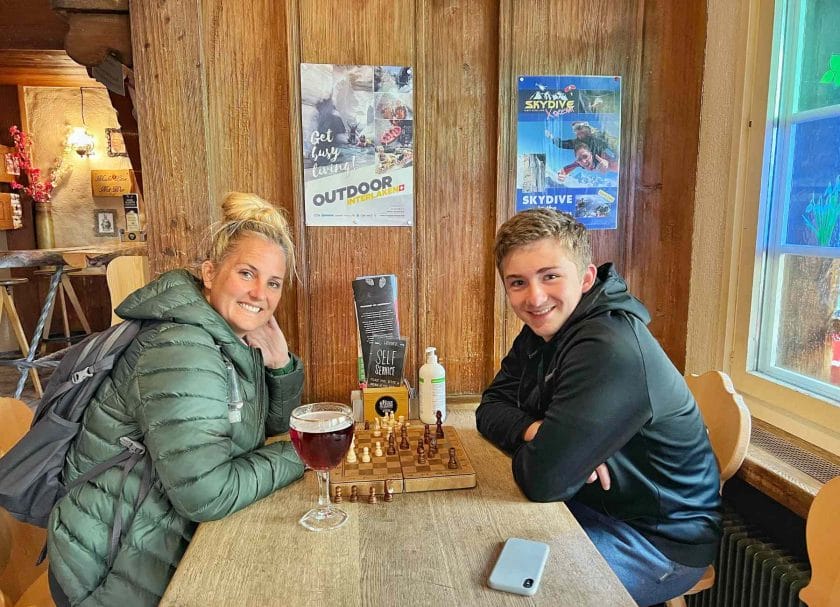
(397, 456)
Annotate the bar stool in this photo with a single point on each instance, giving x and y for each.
(7, 304)
(65, 291)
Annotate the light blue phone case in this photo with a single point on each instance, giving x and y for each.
(519, 567)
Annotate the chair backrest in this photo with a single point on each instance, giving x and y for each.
(821, 533)
(125, 275)
(15, 420)
(726, 417)
(20, 543)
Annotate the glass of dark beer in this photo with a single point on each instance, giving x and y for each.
(321, 434)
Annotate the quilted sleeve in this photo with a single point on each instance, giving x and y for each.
(284, 389)
(181, 391)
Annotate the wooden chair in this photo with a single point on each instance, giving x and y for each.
(20, 543)
(821, 533)
(15, 420)
(125, 275)
(729, 424)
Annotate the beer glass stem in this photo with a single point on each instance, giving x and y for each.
(323, 488)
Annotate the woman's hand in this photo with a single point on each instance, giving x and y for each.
(602, 163)
(271, 342)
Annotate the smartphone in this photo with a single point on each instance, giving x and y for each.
(519, 567)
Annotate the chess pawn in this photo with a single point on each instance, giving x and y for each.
(433, 448)
(365, 455)
(420, 447)
(389, 492)
(404, 444)
(426, 433)
(401, 421)
(453, 463)
(421, 457)
(392, 445)
(351, 456)
(372, 497)
(438, 424)
(378, 451)
(367, 425)
(354, 494)
(337, 499)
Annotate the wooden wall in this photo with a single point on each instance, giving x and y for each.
(219, 110)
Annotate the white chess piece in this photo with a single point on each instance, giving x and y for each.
(377, 428)
(365, 455)
(351, 456)
(378, 451)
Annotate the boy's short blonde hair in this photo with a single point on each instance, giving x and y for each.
(532, 225)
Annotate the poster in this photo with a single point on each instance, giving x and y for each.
(358, 139)
(568, 146)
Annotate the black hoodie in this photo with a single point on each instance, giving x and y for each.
(607, 393)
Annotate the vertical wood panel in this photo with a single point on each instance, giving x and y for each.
(249, 144)
(587, 38)
(659, 255)
(172, 119)
(456, 116)
(377, 32)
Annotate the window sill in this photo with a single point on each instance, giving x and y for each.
(786, 468)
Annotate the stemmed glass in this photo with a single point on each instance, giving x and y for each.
(321, 434)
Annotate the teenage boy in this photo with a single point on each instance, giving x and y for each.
(586, 393)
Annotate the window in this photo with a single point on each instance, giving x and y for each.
(794, 328)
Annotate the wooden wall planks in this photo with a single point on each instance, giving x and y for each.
(379, 34)
(224, 114)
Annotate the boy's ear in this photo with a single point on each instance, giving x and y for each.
(208, 272)
(589, 277)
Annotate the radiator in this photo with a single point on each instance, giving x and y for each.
(751, 571)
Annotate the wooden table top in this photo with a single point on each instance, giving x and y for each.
(432, 548)
(75, 257)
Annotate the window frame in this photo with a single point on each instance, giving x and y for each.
(795, 410)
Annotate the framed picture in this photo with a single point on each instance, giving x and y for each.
(116, 143)
(105, 222)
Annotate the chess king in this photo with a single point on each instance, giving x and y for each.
(587, 394)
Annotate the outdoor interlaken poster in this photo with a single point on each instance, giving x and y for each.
(358, 134)
(568, 146)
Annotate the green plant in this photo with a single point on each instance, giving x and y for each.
(823, 212)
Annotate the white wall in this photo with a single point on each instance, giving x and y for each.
(50, 114)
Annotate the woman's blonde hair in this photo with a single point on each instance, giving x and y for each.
(243, 214)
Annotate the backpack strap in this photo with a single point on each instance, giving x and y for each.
(134, 453)
(137, 452)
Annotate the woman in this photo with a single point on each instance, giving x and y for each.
(210, 344)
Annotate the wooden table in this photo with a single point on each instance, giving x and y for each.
(61, 259)
(434, 548)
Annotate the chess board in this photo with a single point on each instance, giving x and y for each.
(401, 471)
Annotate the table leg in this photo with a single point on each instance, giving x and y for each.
(39, 327)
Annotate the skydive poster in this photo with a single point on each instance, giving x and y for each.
(568, 146)
(358, 135)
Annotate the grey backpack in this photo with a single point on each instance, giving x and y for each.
(31, 472)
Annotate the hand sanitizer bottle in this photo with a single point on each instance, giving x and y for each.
(432, 387)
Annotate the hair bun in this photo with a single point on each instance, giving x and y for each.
(239, 207)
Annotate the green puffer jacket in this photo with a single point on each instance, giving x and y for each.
(169, 391)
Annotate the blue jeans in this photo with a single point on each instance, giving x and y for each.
(649, 576)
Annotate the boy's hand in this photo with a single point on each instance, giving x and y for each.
(601, 473)
(531, 431)
(271, 342)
